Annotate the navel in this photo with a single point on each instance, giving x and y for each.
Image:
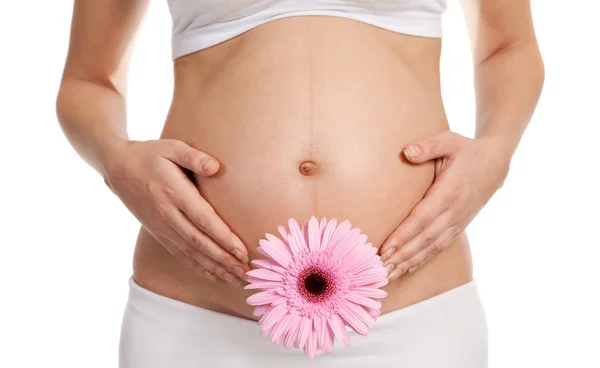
(308, 168)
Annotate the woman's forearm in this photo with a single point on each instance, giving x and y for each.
(91, 103)
(508, 84)
(93, 118)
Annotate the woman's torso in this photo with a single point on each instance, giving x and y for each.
(338, 93)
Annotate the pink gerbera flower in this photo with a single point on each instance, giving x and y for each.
(318, 280)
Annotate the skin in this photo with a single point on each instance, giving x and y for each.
(509, 76)
(286, 124)
(151, 183)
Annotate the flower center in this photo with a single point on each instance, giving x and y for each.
(315, 284)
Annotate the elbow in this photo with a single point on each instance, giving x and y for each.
(542, 68)
(60, 103)
(63, 104)
(538, 69)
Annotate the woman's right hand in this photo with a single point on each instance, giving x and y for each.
(148, 177)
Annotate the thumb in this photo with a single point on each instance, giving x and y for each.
(192, 159)
(430, 148)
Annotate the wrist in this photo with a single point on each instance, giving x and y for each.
(499, 144)
(499, 150)
(110, 155)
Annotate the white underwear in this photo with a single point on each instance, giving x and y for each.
(448, 330)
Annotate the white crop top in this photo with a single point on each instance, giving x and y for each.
(198, 24)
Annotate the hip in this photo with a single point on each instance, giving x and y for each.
(156, 270)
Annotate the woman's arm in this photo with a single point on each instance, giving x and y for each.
(509, 75)
(147, 176)
(509, 71)
(91, 99)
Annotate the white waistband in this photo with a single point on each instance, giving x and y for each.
(448, 330)
(180, 313)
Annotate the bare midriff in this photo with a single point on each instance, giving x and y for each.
(307, 115)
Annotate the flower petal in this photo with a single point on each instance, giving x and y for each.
(374, 313)
(339, 233)
(262, 285)
(305, 327)
(377, 270)
(305, 234)
(271, 318)
(352, 320)
(281, 329)
(338, 328)
(369, 259)
(264, 297)
(264, 274)
(355, 244)
(359, 259)
(280, 254)
(363, 314)
(369, 276)
(314, 234)
(377, 284)
(370, 292)
(296, 238)
(367, 302)
(279, 301)
(321, 328)
(328, 338)
(260, 310)
(328, 233)
(278, 242)
(322, 225)
(268, 264)
(280, 291)
(349, 242)
(263, 252)
(291, 337)
(311, 344)
(283, 231)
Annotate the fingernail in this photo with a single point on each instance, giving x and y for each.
(412, 151)
(241, 256)
(390, 268)
(394, 275)
(413, 269)
(239, 271)
(209, 276)
(387, 254)
(209, 165)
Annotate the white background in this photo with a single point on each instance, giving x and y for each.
(66, 242)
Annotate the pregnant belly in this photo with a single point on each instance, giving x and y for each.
(303, 132)
(337, 168)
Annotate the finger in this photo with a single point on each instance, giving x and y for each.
(427, 254)
(402, 260)
(191, 158)
(202, 242)
(430, 148)
(421, 216)
(192, 257)
(185, 260)
(203, 216)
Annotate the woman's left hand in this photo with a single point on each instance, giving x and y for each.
(467, 173)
